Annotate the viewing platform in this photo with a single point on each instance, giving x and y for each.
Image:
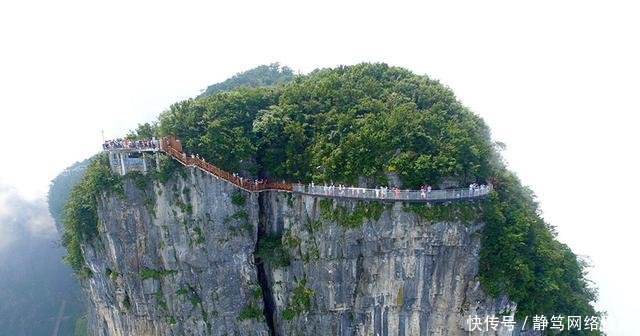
(142, 156)
(126, 156)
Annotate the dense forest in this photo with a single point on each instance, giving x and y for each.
(362, 124)
(339, 124)
(264, 75)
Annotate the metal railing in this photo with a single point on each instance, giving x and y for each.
(381, 194)
(132, 149)
(393, 194)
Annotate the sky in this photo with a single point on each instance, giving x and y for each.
(557, 82)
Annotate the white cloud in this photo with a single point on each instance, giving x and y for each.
(22, 219)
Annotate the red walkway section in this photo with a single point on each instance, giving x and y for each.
(172, 147)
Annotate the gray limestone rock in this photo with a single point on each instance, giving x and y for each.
(178, 259)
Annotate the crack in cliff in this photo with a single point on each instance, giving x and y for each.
(269, 310)
(359, 284)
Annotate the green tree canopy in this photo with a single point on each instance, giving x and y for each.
(339, 124)
(264, 75)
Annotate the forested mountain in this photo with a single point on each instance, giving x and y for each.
(368, 120)
(363, 124)
(264, 75)
(60, 188)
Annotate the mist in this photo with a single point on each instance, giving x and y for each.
(22, 219)
(38, 294)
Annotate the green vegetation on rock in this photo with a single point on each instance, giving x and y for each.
(167, 168)
(460, 211)
(152, 273)
(521, 256)
(200, 239)
(350, 218)
(80, 217)
(61, 187)
(250, 312)
(126, 302)
(111, 274)
(80, 212)
(271, 250)
(300, 301)
(191, 295)
(238, 198)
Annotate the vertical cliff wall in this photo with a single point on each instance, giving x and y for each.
(373, 270)
(177, 258)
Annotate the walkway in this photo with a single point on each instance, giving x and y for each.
(172, 147)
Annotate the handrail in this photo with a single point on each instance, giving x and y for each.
(383, 194)
(214, 170)
(392, 194)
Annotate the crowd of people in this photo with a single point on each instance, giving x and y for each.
(383, 192)
(130, 144)
(476, 189)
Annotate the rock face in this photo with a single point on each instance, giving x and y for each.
(175, 259)
(178, 259)
(397, 275)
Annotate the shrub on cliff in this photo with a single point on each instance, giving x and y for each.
(270, 250)
(521, 256)
(80, 215)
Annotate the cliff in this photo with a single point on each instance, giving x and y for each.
(394, 274)
(196, 256)
(178, 252)
(174, 259)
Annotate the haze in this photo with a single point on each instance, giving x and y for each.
(555, 81)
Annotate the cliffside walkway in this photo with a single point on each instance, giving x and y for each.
(172, 147)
